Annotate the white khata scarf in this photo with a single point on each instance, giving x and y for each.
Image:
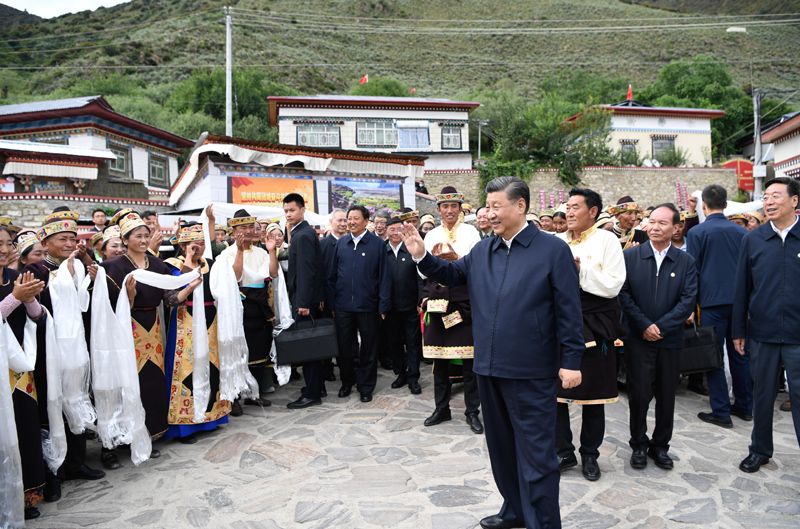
(120, 414)
(18, 359)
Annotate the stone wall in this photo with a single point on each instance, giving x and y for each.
(29, 210)
(466, 181)
(648, 186)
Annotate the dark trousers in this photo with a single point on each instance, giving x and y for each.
(765, 362)
(442, 385)
(400, 325)
(652, 372)
(720, 317)
(76, 456)
(312, 371)
(593, 429)
(348, 326)
(520, 416)
(384, 347)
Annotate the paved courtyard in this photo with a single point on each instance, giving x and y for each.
(352, 465)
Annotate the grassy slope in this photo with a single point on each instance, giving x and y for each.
(731, 7)
(190, 32)
(14, 17)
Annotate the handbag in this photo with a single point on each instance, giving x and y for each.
(307, 341)
(701, 350)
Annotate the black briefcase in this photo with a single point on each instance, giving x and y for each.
(701, 351)
(307, 341)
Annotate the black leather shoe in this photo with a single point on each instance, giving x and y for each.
(752, 463)
(366, 397)
(257, 402)
(85, 472)
(399, 382)
(711, 419)
(786, 406)
(590, 469)
(660, 457)
(155, 453)
(415, 388)
(188, 440)
(386, 364)
(303, 402)
(345, 391)
(495, 522)
(741, 414)
(52, 490)
(698, 388)
(474, 423)
(565, 462)
(236, 409)
(110, 460)
(330, 376)
(438, 416)
(31, 513)
(639, 459)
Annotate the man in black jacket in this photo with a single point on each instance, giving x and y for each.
(766, 310)
(305, 283)
(326, 246)
(359, 294)
(402, 321)
(657, 298)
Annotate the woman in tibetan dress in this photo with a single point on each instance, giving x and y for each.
(180, 346)
(17, 303)
(145, 318)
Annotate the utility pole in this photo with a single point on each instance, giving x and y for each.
(228, 72)
(759, 170)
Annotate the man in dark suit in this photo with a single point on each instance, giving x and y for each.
(305, 282)
(359, 294)
(766, 310)
(714, 244)
(402, 321)
(327, 245)
(521, 320)
(657, 298)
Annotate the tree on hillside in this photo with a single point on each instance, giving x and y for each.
(704, 82)
(204, 93)
(381, 86)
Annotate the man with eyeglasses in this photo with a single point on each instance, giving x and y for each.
(766, 310)
(714, 244)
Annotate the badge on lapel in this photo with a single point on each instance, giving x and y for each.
(672, 274)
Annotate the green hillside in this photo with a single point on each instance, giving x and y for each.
(14, 17)
(440, 47)
(728, 7)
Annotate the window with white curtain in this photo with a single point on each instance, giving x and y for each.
(451, 138)
(413, 138)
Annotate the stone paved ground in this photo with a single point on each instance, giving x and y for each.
(352, 465)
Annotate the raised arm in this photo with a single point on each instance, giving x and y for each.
(447, 273)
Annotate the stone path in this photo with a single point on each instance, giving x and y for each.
(351, 465)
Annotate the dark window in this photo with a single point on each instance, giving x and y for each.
(661, 147)
(159, 171)
(121, 167)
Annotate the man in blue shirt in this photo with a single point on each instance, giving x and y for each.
(766, 310)
(714, 244)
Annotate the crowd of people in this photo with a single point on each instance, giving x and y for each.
(112, 339)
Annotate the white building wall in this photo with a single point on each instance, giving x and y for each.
(691, 134)
(785, 150)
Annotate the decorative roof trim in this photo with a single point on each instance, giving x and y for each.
(628, 142)
(318, 121)
(11, 197)
(451, 171)
(787, 162)
(663, 136)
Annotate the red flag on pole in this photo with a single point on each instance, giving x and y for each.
(413, 90)
(365, 79)
(630, 92)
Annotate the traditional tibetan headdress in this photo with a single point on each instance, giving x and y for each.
(118, 215)
(129, 222)
(192, 232)
(220, 227)
(62, 220)
(25, 241)
(449, 194)
(273, 226)
(241, 218)
(547, 213)
(5, 221)
(427, 218)
(758, 216)
(109, 233)
(94, 239)
(624, 204)
(739, 216)
(407, 214)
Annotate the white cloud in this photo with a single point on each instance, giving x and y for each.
(54, 8)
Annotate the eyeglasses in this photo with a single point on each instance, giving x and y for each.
(774, 196)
